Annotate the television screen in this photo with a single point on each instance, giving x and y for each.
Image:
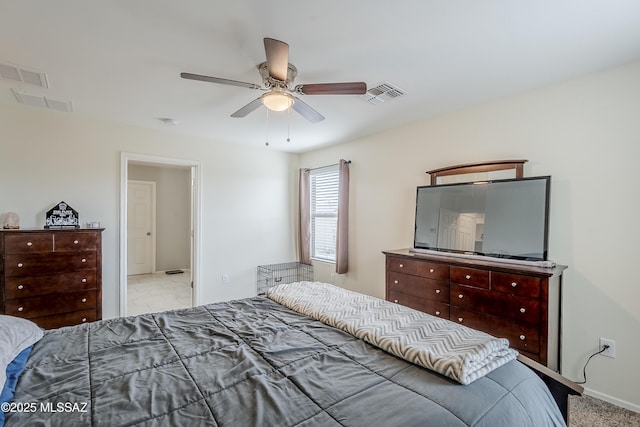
(503, 218)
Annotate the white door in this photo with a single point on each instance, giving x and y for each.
(141, 227)
(456, 230)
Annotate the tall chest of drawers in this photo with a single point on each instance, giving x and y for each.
(52, 277)
(517, 302)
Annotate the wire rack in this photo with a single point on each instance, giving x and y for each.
(277, 274)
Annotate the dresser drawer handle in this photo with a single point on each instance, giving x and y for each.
(395, 281)
(75, 242)
(468, 276)
(84, 300)
(20, 308)
(514, 284)
(20, 287)
(522, 337)
(437, 313)
(29, 244)
(431, 270)
(395, 300)
(438, 291)
(401, 265)
(460, 319)
(522, 310)
(20, 265)
(84, 320)
(84, 280)
(460, 296)
(84, 260)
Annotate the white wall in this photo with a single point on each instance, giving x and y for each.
(48, 156)
(586, 134)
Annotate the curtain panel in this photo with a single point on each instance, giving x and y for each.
(304, 223)
(342, 236)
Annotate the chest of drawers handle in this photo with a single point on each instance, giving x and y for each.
(514, 284)
(468, 277)
(20, 265)
(522, 310)
(431, 270)
(29, 244)
(395, 300)
(20, 287)
(460, 319)
(20, 309)
(522, 337)
(460, 296)
(401, 265)
(84, 300)
(84, 320)
(395, 281)
(84, 280)
(75, 242)
(83, 260)
(437, 313)
(438, 291)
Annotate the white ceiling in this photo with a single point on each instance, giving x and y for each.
(120, 60)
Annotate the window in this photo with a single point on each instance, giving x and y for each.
(324, 212)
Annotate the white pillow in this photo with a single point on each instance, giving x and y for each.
(16, 334)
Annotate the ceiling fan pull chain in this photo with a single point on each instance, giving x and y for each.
(267, 130)
(289, 124)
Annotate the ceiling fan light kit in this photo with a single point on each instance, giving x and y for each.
(277, 77)
(277, 101)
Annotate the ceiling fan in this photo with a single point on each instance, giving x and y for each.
(277, 78)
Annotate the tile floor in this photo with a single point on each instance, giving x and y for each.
(150, 293)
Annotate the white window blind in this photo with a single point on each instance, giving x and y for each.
(324, 212)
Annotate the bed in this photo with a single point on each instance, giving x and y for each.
(256, 362)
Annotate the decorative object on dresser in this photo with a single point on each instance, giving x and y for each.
(53, 277)
(62, 216)
(10, 220)
(513, 301)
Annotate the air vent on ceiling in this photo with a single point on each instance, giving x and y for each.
(385, 91)
(23, 75)
(43, 101)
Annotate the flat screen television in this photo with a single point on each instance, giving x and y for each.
(506, 218)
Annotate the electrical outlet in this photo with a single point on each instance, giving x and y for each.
(225, 279)
(611, 351)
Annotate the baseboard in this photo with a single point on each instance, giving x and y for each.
(613, 400)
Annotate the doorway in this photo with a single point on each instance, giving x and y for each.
(152, 245)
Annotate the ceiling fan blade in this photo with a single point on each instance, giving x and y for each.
(306, 111)
(250, 107)
(351, 88)
(218, 80)
(277, 58)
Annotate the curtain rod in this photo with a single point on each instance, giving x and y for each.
(327, 166)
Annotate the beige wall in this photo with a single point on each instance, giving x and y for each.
(48, 156)
(586, 134)
(173, 213)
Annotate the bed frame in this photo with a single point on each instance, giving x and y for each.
(560, 387)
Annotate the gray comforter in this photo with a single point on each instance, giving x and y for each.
(254, 362)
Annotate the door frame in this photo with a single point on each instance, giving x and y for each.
(196, 204)
(152, 185)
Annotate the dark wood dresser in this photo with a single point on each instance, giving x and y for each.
(52, 277)
(517, 302)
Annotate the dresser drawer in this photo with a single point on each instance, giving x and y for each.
(419, 286)
(521, 336)
(515, 307)
(28, 286)
(37, 264)
(51, 304)
(70, 241)
(65, 319)
(434, 308)
(516, 283)
(470, 276)
(403, 265)
(28, 243)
